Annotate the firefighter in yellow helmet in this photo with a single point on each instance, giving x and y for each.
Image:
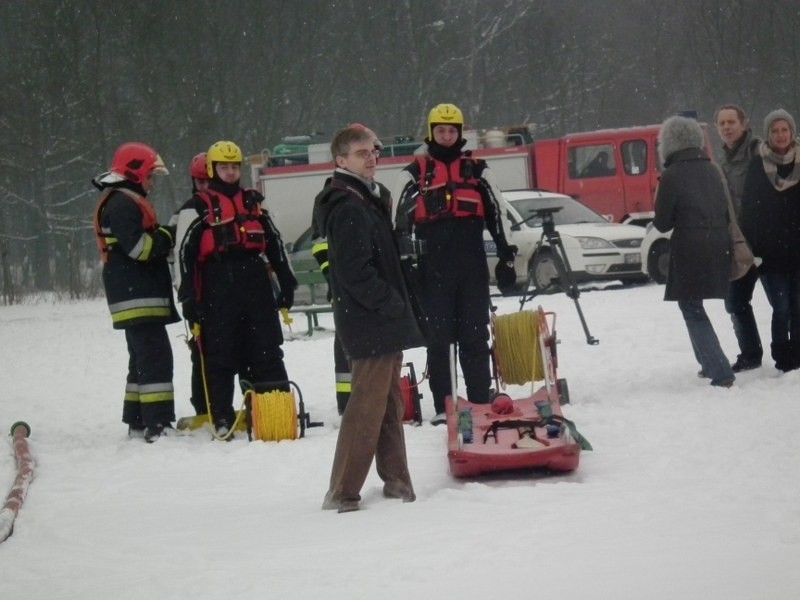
(226, 288)
(134, 250)
(445, 199)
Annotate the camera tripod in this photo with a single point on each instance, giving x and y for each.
(565, 280)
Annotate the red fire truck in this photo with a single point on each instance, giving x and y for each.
(613, 171)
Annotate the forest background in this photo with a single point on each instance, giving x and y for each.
(80, 77)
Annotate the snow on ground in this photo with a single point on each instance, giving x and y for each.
(691, 491)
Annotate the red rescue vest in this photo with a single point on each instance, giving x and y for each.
(447, 190)
(104, 235)
(232, 225)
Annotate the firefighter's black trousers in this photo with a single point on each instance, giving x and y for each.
(149, 395)
(240, 331)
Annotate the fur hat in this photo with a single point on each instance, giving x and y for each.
(779, 115)
(679, 133)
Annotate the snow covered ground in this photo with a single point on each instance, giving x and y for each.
(691, 492)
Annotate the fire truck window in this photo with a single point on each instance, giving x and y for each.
(634, 157)
(592, 161)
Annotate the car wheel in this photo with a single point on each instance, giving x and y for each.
(658, 261)
(545, 272)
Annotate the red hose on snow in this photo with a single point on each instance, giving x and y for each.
(19, 431)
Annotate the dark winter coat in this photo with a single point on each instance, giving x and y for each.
(735, 162)
(771, 219)
(691, 200)
(138, 285)
(371, 308)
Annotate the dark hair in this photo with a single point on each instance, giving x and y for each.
(739, 112)
(340, 145)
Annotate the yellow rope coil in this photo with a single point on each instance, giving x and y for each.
(274, 416)
(519, 358)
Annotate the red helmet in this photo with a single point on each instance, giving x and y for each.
(135, 161)
(198, 167)
(376, 141)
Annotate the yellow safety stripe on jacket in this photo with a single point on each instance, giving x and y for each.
(156, 392)
(320, 251)
(141, 251)
(140, 308)
(343, 382)
(132, 392)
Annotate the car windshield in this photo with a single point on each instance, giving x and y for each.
(568, 211)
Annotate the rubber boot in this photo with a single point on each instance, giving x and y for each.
(783, 356)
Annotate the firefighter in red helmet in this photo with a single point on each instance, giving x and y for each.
(181, 221)
(199, 172)
(226, 288)
(134, 249)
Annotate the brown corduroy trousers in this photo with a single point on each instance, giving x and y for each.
(372, 427)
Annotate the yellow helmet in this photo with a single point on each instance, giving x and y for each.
(445, 114)
(225, 152)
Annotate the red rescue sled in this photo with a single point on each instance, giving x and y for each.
(510, 434)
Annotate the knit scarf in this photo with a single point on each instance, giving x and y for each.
(772, 161)
(369, 183)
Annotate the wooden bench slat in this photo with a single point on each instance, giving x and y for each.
(312, 279)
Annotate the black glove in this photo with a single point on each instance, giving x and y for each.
(507, 254)
(505, 274)
(285, 298)
(191, 311)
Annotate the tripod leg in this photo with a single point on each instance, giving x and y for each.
(571, 288)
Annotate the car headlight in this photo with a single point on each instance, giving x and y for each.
(593, 243)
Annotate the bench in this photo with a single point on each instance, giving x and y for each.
(318, 288)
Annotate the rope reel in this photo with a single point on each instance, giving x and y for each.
(273, 414)
(516, 347)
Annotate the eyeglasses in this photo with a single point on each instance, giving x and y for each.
(365, 154)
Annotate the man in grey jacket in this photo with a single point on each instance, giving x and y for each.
(739, 145)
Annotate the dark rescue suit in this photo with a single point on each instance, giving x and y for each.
(138, 288)
(225, 279)
(446, 203)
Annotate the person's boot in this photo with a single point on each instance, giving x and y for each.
(783, 356)
(793, 355)
(744, 364)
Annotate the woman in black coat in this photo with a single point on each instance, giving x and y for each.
(771, 223)
(692, 201)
